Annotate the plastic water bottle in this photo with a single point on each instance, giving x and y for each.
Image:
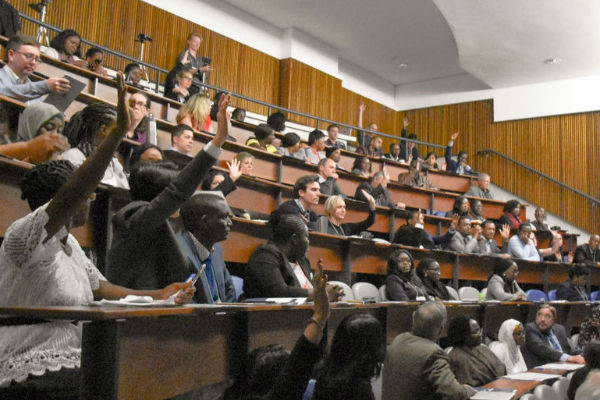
(152, 130)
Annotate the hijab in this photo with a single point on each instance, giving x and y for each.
(33, 117)
(515, 359)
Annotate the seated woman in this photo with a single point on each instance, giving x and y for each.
(591, 355)
(502, 284)
(362, 166)
(512, 210)
(316, 146)
(180, 90)
(66, 47)
(414, 176)
(511, 337)
(356, 357)
(460, 207)
(475, 212)
(133, 75)
(335, 207)
(401, 283)
(39, 132)
(85, 131)
(263, 137)
(473, 363)
(428, 271)
(292, 147)
(145, 153)
(431, 160)
(222, 181)
(41, 264)
(195, 112)
(246, 162)
(139, 127)
(93, 60)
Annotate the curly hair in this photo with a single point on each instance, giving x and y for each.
(84, 125)
(58, 42)
(41, 183)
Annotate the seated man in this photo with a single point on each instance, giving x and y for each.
(333, 131)
(462, 241)
(487, 243)
(335, 154)
(574, 289)
(374, 148)
(145, 251)
(133, 74)
(328, 178)
(416, 367)
(481, 189)
(538, 223)
(182, 142)
(414, 234)
(377, 187)
(546, 341)
(460, 167)
(394, 153)
(588, 253)
(206, 219)
(408, 150)
(523, 245)
(414, 177)
(306, 195)
(280, 268)
(23, 56)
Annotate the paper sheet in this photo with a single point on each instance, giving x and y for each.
(532, 376)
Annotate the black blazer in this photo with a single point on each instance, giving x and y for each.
(583, 254)
(567, 291)
(330, 188)
(537, 350)
(290, 207)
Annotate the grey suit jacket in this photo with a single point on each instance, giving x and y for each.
(23, 92)
(330, 188)
(461, 244)
(476, 191)
(494, 249)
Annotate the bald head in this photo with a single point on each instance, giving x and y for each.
(206, 215)
(594, 241)
(429, 319)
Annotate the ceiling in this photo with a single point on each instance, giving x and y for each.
(501, 43)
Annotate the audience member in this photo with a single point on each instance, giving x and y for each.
(416, 367)
(460, 166)
(190, 59)
(306, 195)
(546, 341)
(538, 223)
(94, 58)
(333, 131)
(223, 182)
(214, 108)
(145, 252)
(66, 47)
(206, 218)
(401, 282)
(43, 359)
(408, 149)
(511, 337)
(394, 152)
(502, 283)
(335, 207)
(40, 116)
(182, 139)
(328, 178)
(145, 153)
(10, 23)
(414, 234)
(22, 55)
(362, 139)
(195, 112)
(588, 253)
(246, 162)
(180, 90)
(481, 189)
(362, 166)
(487, 243)
(377, 187)
(589, 330)
(461, 207)
(239, 114)
(85, 131)
(590, 389)
(140, 105)
(428, 271)
(335, 154)
(475, 211)
(277, 121)
(354, 360)
(280, 268)
(292, 146)
(511, 210)
(557, 254)
(472, 362)
(463, 241)
(414, 177)
(591, 355)
(431, 161)
(523, 245)
(316, 146)
(37, 150)
(574, 289)
(263, 137)
(271, 372)
(374, 148)
(133, 74)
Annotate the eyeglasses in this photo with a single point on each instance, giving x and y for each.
(30, 57)
(138, 103)
(97, 61)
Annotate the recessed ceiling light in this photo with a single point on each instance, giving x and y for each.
(403, 65)
(551, 61)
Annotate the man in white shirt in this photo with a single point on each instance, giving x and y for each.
(523, 246)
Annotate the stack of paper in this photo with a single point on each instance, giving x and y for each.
(561, 366)
(494, 394)
(532, 376)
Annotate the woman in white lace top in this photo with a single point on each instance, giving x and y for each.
(41, 264)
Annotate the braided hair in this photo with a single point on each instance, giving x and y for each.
(84, 125)
(41, 183)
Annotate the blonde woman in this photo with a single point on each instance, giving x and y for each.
(196, 113)
(335, 207)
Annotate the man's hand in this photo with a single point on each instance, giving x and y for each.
(576, 360)
(405, 122)
(124, 112)
(234, 169)
(206, 68)
(223, 117)
(58, 85)
(476, 231)
(454, 222)
(362, 107)
(454, 135)
(505, 231)
(369, 198)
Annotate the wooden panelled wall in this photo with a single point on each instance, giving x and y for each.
(566, 148)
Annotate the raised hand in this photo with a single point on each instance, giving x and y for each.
(454, 222)
(124, 112)
(369, 198)
(223, 117)
(405, 121)
(234, 169)
(455, 135)
(362, 107)
(505, 231)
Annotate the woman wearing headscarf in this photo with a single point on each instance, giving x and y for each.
(401, 283)
(511, 337)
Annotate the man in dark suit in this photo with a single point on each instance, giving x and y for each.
(546, 341)
(588, 253)
(306, 195)
(574, 288)
(328, 177)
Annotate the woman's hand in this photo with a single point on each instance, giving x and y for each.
(124, 112)
(185, 296)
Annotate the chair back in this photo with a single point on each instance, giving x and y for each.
(594, 295)
(560, 387)
(545, 392)
(453, 293)
(348, 294)
(382, 293)
(536, 295)
(552, 295)
(468, 293)
(365, 289)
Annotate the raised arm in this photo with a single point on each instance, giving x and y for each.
(85, 179)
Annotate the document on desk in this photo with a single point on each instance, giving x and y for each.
(532, 376)
(494, 394)
(136, 301)
(561, 366)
